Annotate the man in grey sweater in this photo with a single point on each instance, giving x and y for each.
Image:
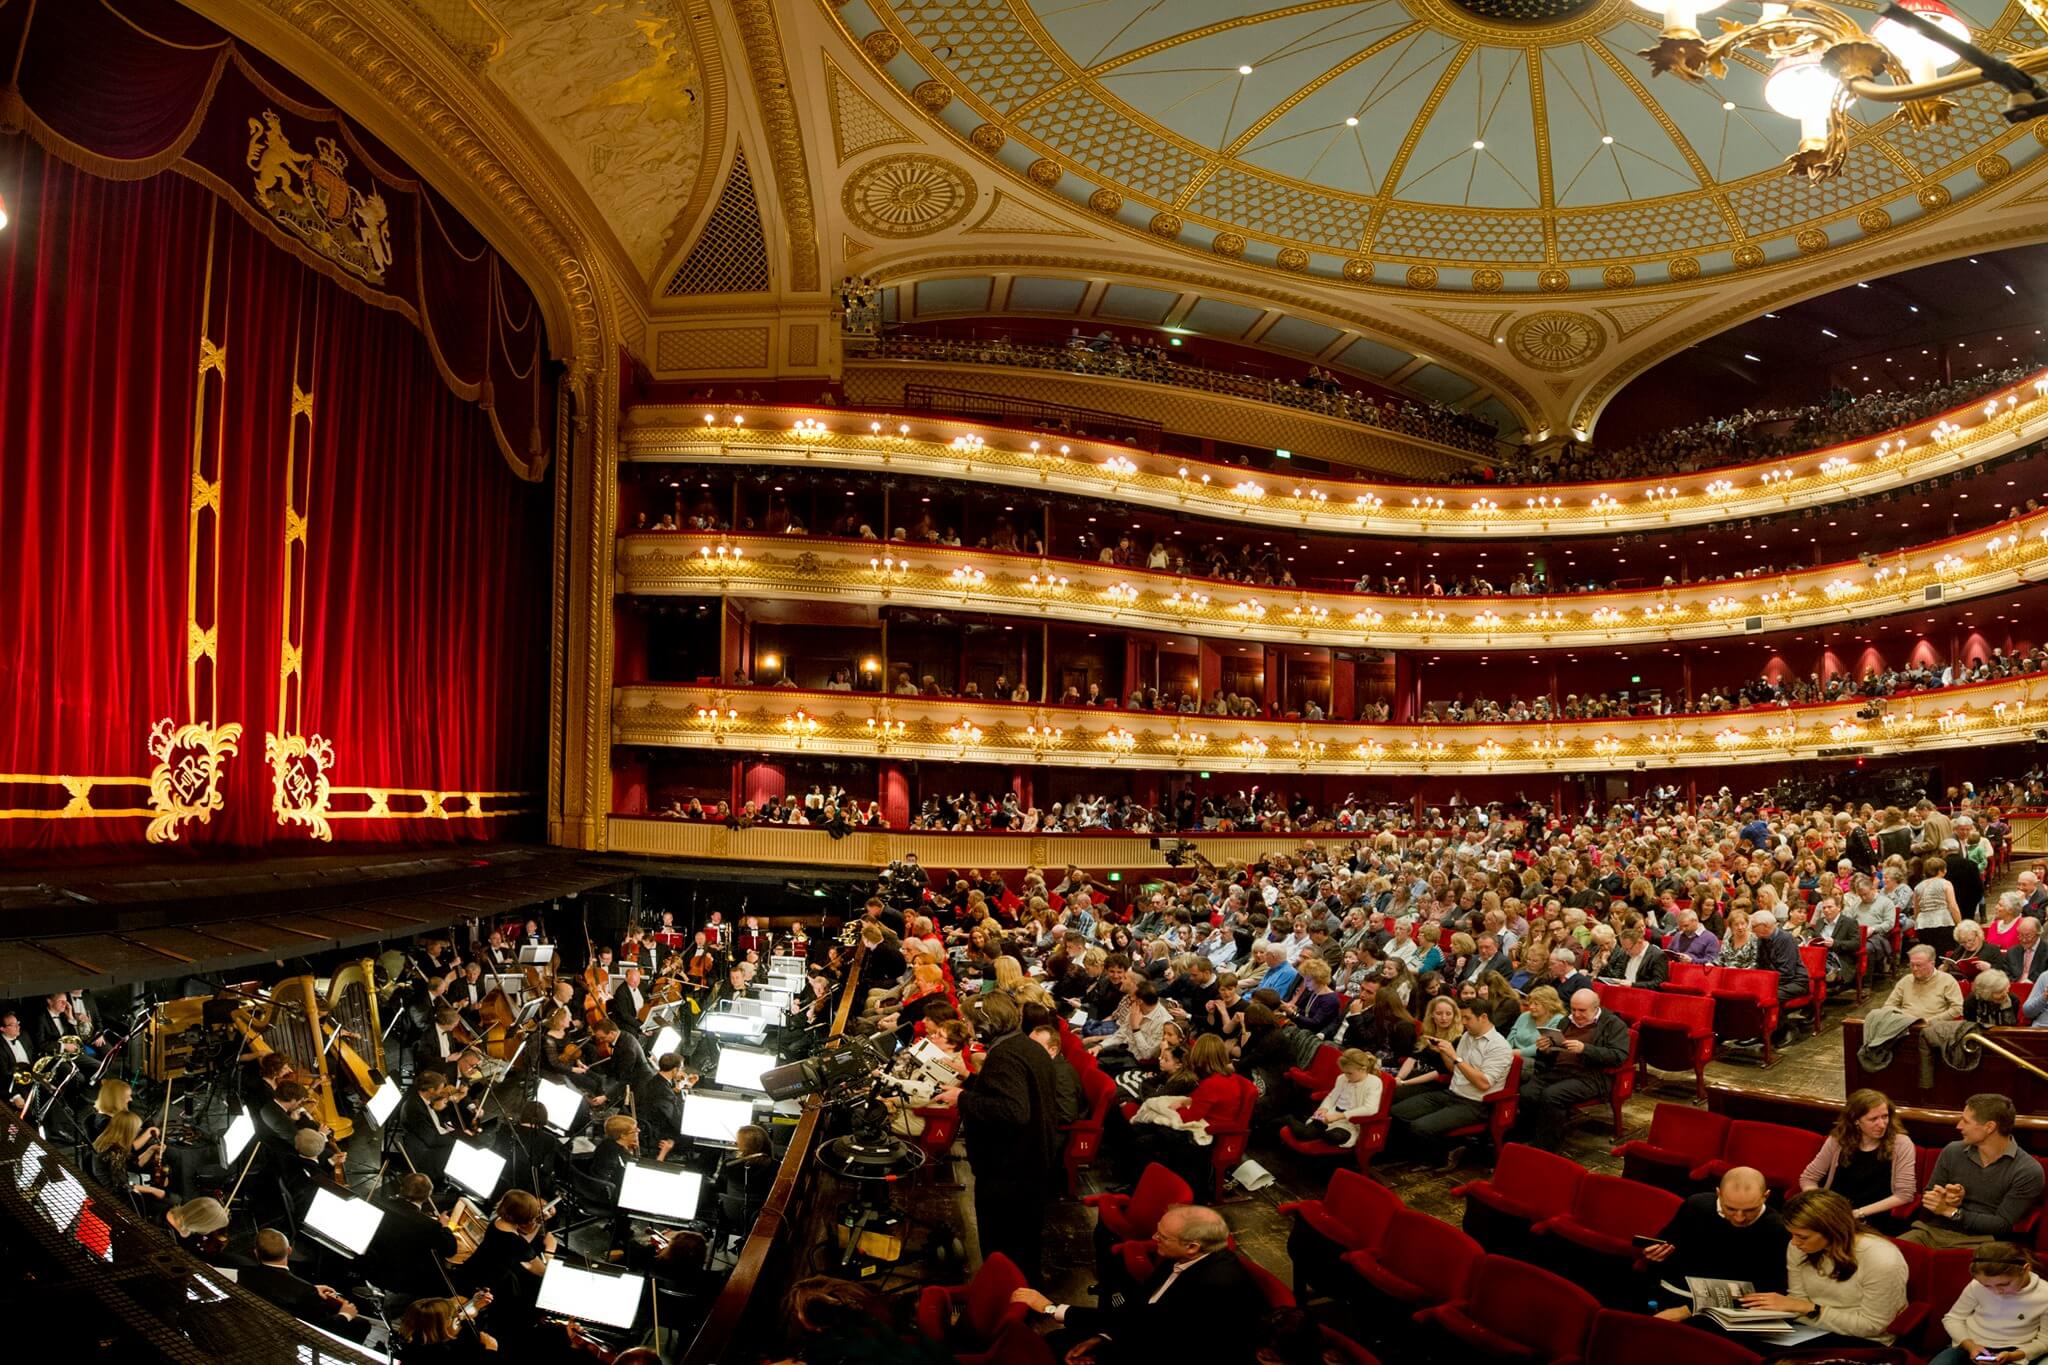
(1981, 1185)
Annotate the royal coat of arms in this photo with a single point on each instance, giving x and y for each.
(310, 197)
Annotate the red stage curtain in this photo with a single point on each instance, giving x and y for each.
(417, 599)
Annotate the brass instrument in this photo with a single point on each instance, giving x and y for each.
(287, 1022)
(469, 1227)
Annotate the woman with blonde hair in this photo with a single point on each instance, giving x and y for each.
(1009, 975)
(1738, 945)
(1426, 1066)
(1541, 1009)
(119, 1153)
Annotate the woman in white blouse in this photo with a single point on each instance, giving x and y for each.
(1840, 1276)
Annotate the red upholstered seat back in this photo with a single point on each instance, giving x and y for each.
(1623, 1208)
(988, 1295)
(1682, 1129)
(1538, 1178)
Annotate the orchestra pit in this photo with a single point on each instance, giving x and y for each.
(709, 682)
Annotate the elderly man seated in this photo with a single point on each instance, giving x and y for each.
(1693, 939)
(1200, 1304)
(1926, 992)
(1571, 1068)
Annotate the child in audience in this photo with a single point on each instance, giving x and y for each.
(2002, 1314)
(1355, 1095)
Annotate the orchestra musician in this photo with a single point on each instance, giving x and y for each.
(701, 963)
(621, 1145)
(194, 1225)
(531, 1150)
(16, 1055)
(750, 937)
(716, 929)
(411, 1238)
(658, 1103)
(443, 1329)
(635, 949)
(468, 992)
(261, 1076)
(277, 1123)
(442, 1043)
(510, 1260)
(629, 1001)
(318, 1304)
(627, 1066)
(59, 1019)
(422, 1130)
(122, 1159)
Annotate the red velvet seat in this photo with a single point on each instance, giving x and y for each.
(1687, 975)
(1677, 1035)
(1605, 1217)
(1680, 1139)
(1528, 1185)
(1134, 1216)
(1372, 1134)
(1814, 957)
(1275, 1290)
(1017, 1344)
(1779, 1151)
(1501, 1108)
(1229, 1134)
(982, 1306)
(1321, 1075)
(1421, 1262)
(1746, 1005)
(1084, 1134)
(1633, 1338)
(1353, 1212)
(1517, 1312)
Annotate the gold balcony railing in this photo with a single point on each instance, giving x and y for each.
(820, 568)
(827, 438)
(871, 725)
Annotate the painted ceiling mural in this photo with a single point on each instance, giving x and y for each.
(1460, 145)
(616, 88)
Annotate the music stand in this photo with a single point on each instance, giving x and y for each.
(786, 966)
(241, 1132)
(659, 1193)
(381, 1104)
(609, 1298)
(728, 1025)
(476, 1169)
(563, 1103)
(536, 954)
(668, 1040)
(341, 1222)
(740, 1068)
(715, 1119)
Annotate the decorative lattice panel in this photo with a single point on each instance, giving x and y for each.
(1974, 122)
(1274, 209)
(1788, 201)
(1638, 230)
(1083, 128)
(1451, 238)
(731, 255)
(983, 42)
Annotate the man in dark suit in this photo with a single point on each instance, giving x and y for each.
(439, 1045)
(1635, 960)
(410, 1240)
(272, 1278)
(659, 1106)
(627, 1066)
(420, 1129)
(627, 1002)
(2027, 958)
(1842, 935)
(1010, 1112)
(277, 1124)
(1571, 1067)
(1965, 878)
(1200, 1303)
(1487, 958)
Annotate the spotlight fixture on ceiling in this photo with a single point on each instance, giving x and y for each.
(1825, 63)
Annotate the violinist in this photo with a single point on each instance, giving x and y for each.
(423, 1132)
(658, 1103)
(316, 1162)
(272, 1278)
(511, 1259)
(442, 1043)
(463, 1110)
(468, 992)
(445, 1330)
(411, 1238)
(559, 1059)
(621, 1145)
(277, 1123)
(629, 1002)
(531, 1150)
(113, 1098)
(635, 948)
(200, 1226)
(121, 1165)
(261, 1076)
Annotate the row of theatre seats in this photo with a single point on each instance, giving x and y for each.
(1545, 1268)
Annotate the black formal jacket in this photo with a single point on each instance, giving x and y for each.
(1655, 971)
(622, 1012)
(292, 1294)
(1211, 1313)
(1780, 953)
(660, 1110)
(402, 1254)
(628, 1064)
(417, 1132)
(1010, 1109)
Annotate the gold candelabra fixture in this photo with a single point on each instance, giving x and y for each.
(963, 734)
(718, 720)
(801, 726)
(1119, 740)
(1822, 62)
(1185, 742)
(1042, 737)
(885, 732)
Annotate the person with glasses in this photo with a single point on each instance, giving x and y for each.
(1725, 1234)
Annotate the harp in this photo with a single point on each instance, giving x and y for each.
(287, 1022)
(352, 1003)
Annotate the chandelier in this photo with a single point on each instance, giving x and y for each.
(1825, 63)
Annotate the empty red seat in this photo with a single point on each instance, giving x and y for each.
(1229, 1134)
(1528, 1185)
(1134, 1216)
(1779, 1151)
(1518, 1312)
(1321, 1075)
(1633, 1338)
(1084, 1134)
(1678, 1034)
(1606, 1215)
(1813, 957)
(1687, 975)
(982, 1306)
(1680, 1139)
(1353, 1212)
(1421, 1262)
(1275, 1290)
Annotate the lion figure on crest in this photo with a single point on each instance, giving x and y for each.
(272, 158)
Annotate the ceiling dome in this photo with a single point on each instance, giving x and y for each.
(1460, 145)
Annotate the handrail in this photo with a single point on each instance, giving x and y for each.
(717, 1338)
(972, 403)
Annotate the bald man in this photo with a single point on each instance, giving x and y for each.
(1200, 1304)
(1571, 1068)
(1726, 1234)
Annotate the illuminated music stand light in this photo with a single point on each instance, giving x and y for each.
(668, 1040)
(716, 1119)
(787, 966)
(740, 1068)
(659, 1193)
(536, 954)
(563, 1103)
(241, 1132)
(342, 1221)
(729, 1025)
(381, 1105)
(606, 1298)
(475, 1168)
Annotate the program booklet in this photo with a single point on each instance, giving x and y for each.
(1721, 1300)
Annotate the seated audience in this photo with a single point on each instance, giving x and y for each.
(2001, 1317)
(1982, 1183)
